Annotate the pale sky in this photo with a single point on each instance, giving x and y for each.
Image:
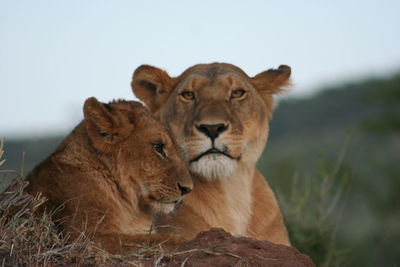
(55, 54)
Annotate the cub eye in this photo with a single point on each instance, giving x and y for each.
(159, 148)
(238, 93)
(188, 95)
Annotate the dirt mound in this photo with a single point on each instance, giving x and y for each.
(219, 248)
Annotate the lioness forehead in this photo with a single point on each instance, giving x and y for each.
(223, 80)
(213, 70)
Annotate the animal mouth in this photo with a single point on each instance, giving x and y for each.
(213, 151)
(171, 202)
(176, 201)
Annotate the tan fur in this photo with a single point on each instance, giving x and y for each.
(219, 117)
(108, 180)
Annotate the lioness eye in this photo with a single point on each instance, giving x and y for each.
(159, 148)
(237, 93)
(188, 95)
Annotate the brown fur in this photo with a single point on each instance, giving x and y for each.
(108, 180)
(228, 192)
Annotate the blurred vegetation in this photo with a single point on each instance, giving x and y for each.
(333, 160)
(342, 141)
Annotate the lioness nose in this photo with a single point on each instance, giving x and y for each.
(212, 130)
(184, 189)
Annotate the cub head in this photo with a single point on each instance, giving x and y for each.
(217, 113)
(143, 158)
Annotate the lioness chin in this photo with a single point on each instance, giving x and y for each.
(115, 171)
(220, 119)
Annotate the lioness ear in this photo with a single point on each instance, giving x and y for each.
(151, 85)
(271, 81)
(105, 126)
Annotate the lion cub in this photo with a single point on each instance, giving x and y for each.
(115, 171)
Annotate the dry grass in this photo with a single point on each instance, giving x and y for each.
(29, 237)
(2, 152)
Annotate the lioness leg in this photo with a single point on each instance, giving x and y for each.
(184, 222)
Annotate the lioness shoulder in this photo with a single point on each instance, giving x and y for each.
(220, 119)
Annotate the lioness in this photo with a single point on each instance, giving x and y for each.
(109, 177)
(219, 117)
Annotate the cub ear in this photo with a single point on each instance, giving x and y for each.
(105, 125)
(151, 85)
(271, 81)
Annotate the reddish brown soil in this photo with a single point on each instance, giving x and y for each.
(219, 248)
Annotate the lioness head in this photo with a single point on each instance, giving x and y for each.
(218, 114)
(140, 152)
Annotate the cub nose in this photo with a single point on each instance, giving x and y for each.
(184, 189)
(212, 130)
